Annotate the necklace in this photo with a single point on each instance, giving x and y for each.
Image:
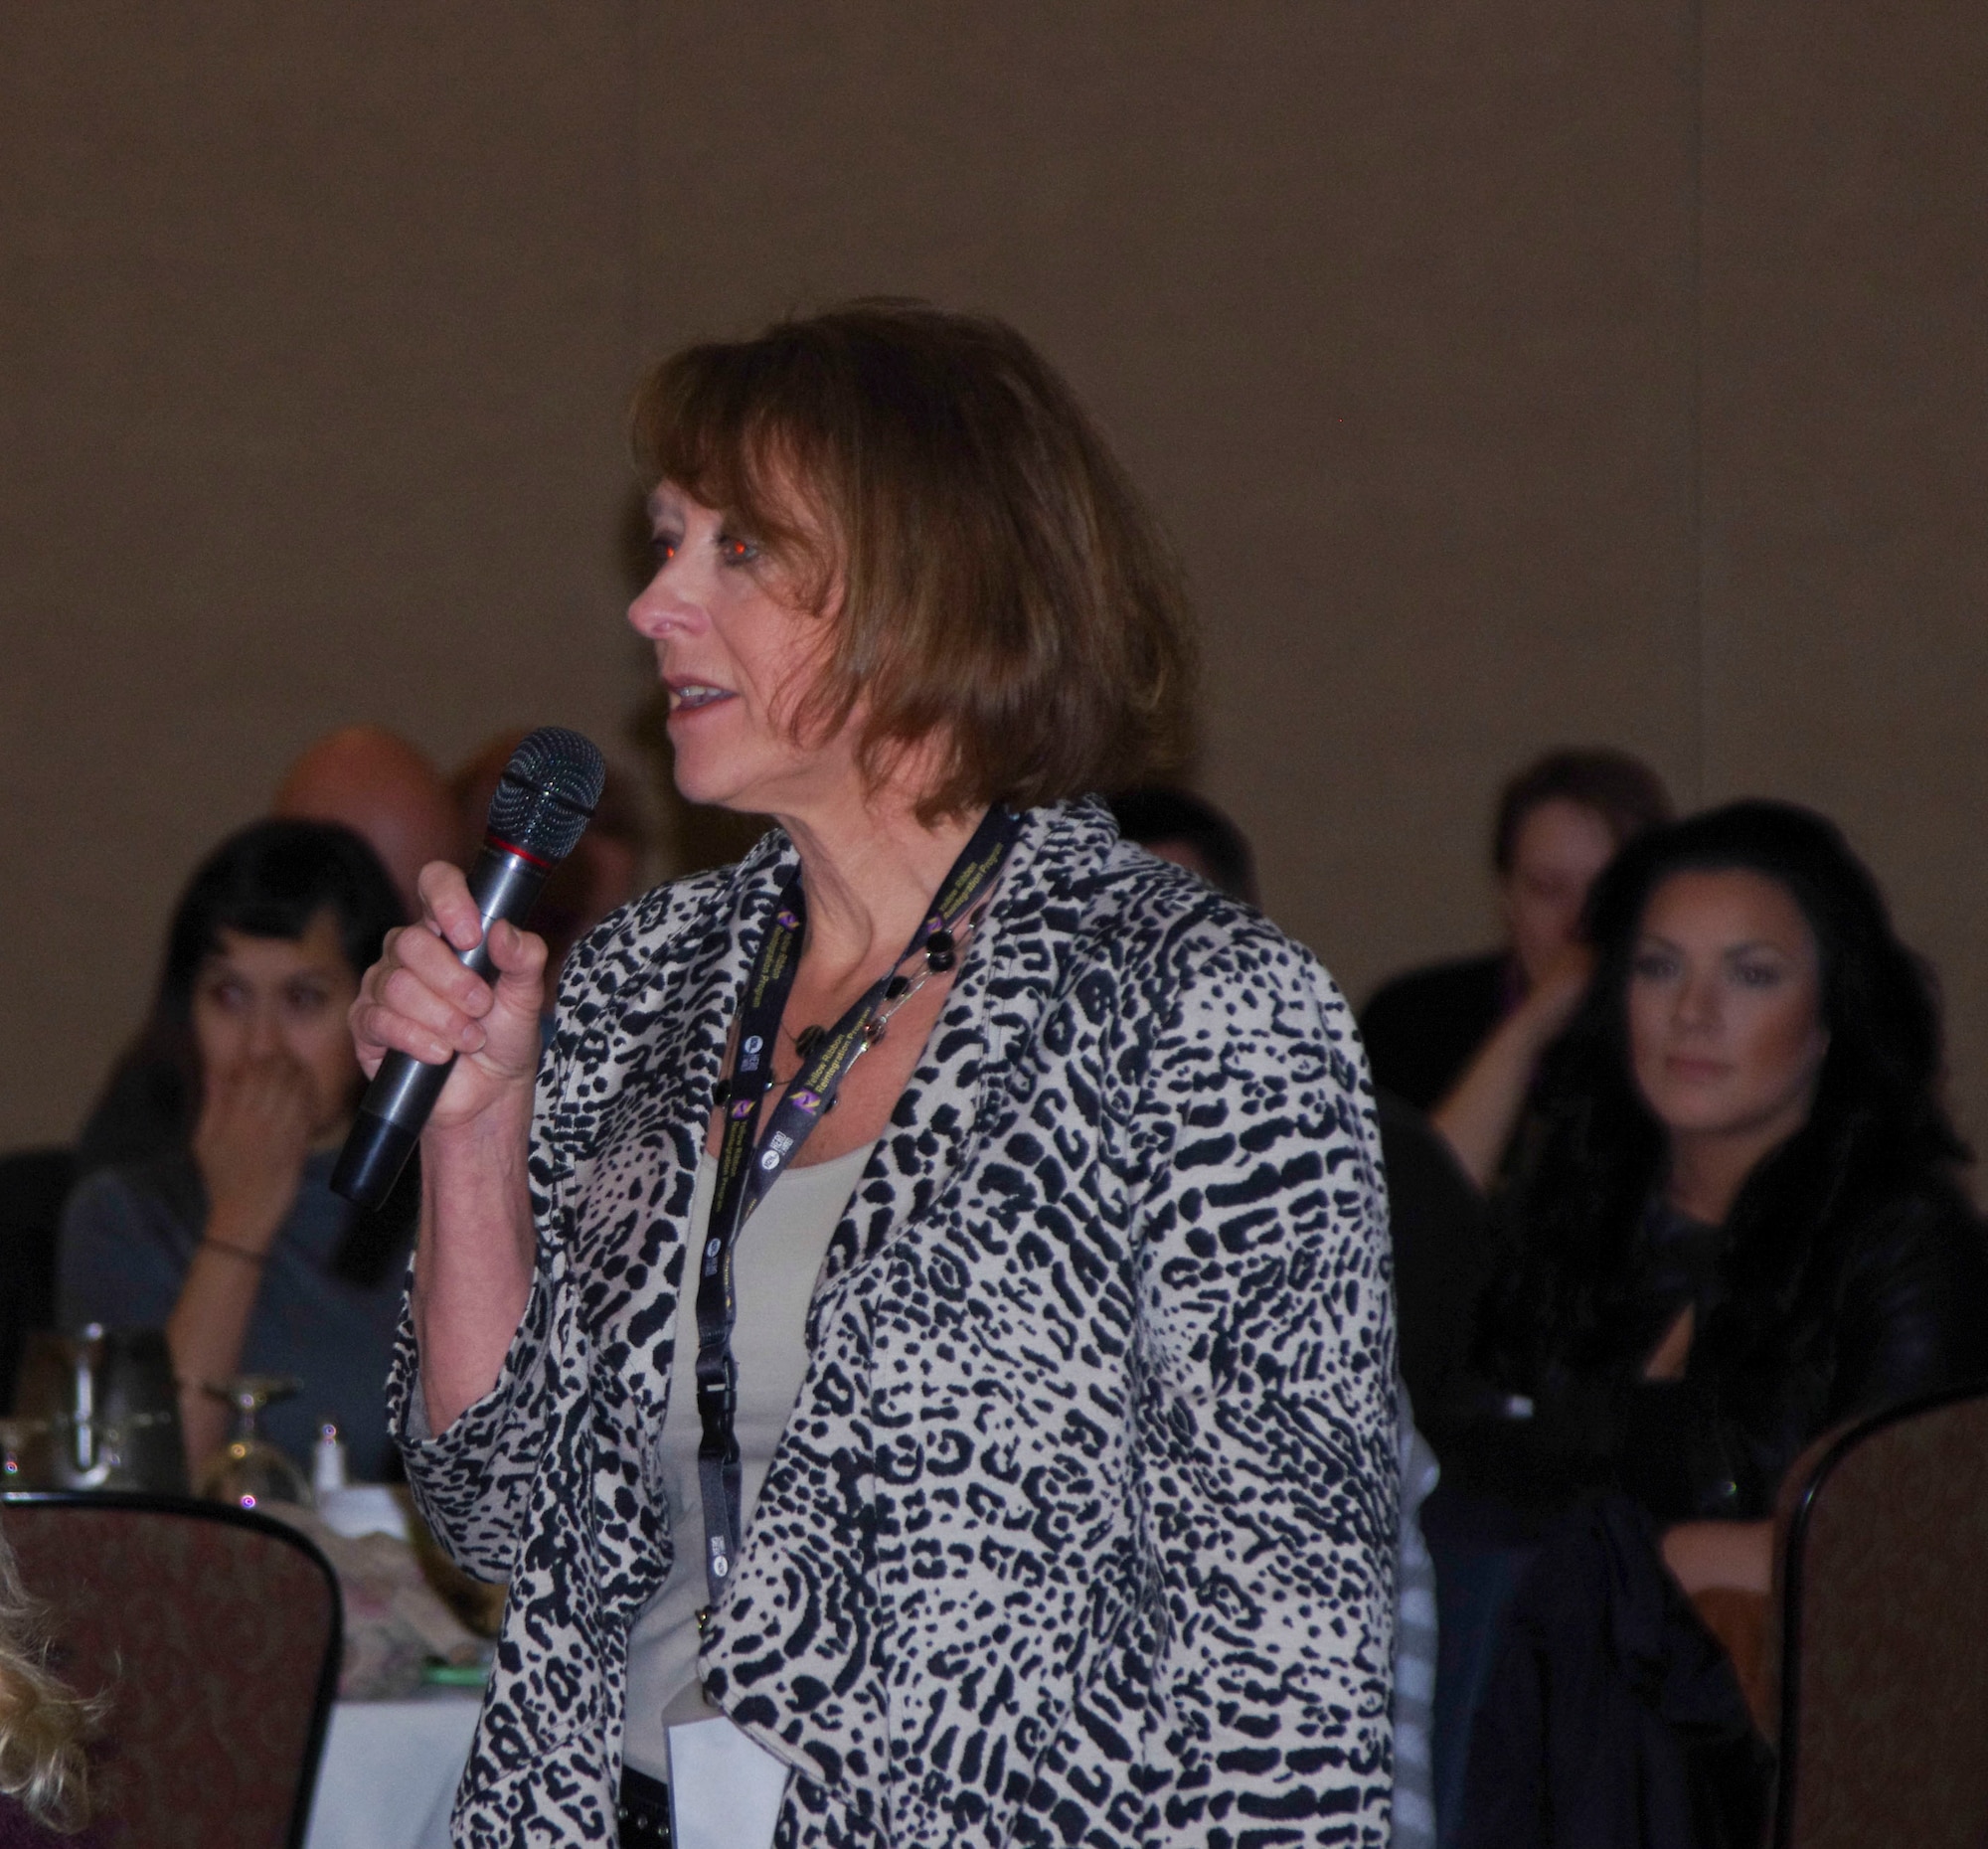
(934, 956)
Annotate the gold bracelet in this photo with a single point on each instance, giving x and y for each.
(243, 1253)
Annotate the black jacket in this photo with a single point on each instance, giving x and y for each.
(1886, 1300)
(1612, 1719)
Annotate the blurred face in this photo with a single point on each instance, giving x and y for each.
(1726, 1028)
(1559, 849)
(737, 656)
(257, 997)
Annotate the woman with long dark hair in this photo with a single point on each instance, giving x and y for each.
(233, 1240)
(1735, 1223)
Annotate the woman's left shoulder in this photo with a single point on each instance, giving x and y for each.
(1140, 911)
(1921, 1219)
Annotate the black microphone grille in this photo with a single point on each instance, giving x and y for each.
(548, 793)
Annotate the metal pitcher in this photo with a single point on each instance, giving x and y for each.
(102, 1410)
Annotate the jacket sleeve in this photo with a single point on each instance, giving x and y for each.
(1267, 1412)
(471, 1481)
(1913, 1309)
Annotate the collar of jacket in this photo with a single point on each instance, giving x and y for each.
(651, 1004)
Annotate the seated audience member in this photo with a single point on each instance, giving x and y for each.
(1735, 1223)
(44, 1767)
(1192, 832)
(387, 791)
(233, 1240)
(1460, 1040)
(604, 870)
(368, 780)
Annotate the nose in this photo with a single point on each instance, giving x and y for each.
(662, 608)
(1698, 1001)
(265, 1035)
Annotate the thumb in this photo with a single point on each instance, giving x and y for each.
(519, 957)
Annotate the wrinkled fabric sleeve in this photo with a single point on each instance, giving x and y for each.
(472, 1480)
(1914, 1309)
(1271, 1472)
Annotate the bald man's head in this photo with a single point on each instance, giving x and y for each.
(386, 791)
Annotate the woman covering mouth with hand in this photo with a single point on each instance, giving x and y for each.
(1015, 1462)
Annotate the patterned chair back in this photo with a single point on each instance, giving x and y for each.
(1884, 1693)
(215, 1633)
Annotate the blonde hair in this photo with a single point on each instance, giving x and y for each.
(44, 1723)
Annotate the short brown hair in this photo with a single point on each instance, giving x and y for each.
(1624, 791)
(1002, 585)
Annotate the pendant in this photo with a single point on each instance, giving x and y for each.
(807, 1040)
(938, 950)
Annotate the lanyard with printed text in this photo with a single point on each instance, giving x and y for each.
(750, 1160)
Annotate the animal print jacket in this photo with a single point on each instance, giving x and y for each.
(1082, 1529)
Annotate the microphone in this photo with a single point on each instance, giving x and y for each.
(543, 802)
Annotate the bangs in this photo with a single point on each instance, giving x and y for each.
(706, 422)
(930, 486)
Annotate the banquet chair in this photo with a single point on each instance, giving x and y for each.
(215, 1633)
(34, 1183)
(1884, 1666)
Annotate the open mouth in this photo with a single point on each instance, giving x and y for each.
(690, 695)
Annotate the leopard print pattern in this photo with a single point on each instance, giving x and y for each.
(1082, 1529)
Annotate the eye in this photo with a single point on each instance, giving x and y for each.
(735, 549)
(308, 998)
(1653, 966)
(1757, 976)
(223, 992)
(663, 547)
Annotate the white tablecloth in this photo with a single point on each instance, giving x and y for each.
(390, 1771)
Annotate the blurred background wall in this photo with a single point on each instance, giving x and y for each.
(1509, 375)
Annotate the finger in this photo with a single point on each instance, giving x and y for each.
(380, 1030)
(456, 1028)
(429, 961)
(447, 907)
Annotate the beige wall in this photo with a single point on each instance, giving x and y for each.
(1508, 375)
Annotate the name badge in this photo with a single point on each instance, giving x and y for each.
(725, 1787)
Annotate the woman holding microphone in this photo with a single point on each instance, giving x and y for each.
(988, 1210)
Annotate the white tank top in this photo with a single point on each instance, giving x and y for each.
(778, 1259)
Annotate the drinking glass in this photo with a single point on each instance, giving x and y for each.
(248, 1470)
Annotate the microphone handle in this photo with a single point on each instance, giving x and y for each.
(505, 885)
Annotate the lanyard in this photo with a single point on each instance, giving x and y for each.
(749, 1162)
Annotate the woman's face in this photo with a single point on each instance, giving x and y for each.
(737, 655)
(1557, 849)
(1726, 1028)
(257, 997)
